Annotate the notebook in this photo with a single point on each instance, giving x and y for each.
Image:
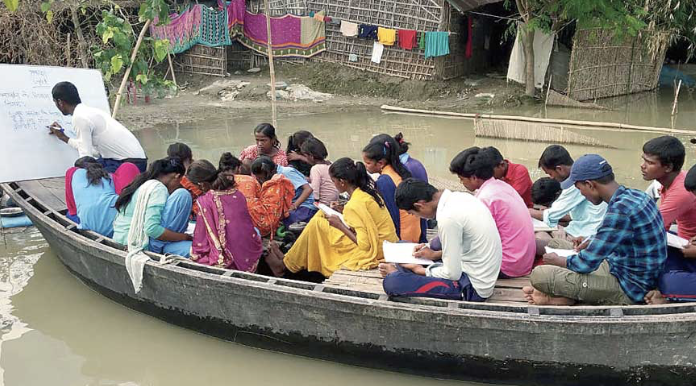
(402, 253)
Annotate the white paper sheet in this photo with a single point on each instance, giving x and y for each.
(540, 226)
(190, 228)
(330, 212)
(402, 253)
(561, 252)
(676, 241)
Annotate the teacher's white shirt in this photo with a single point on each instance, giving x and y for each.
(97, 132)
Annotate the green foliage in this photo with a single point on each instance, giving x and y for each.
(119, 37)
(12, 5)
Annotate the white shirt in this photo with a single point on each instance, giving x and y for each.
(98, 133)
(470, 242)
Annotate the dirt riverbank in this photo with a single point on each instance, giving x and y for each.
(244, 94)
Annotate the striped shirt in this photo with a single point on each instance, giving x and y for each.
(632, 239)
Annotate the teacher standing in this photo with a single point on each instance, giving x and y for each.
(96, 132)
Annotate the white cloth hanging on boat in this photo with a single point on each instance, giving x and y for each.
(137, 237)
(543, 44)
(377, 50)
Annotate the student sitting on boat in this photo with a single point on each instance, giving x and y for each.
(545, 191)
(224, 235)
(583, 217)
(302, 208)
(183, 152)
(417, 171)
(621, 262)
(122, 177)
(95, 196)
(471, 249)
(474, 167)
(248, 185)
(663, 158)
(324, 189)
(678, 282)
(96, 131)
(267, 144)
(414, 166)
(296, 158)
(381, 156)
(329, 243)
(274, 200)
(516, 175)
(153, 210)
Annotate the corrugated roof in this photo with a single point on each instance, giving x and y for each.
(468, 5)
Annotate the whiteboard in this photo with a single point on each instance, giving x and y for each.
(27, 151)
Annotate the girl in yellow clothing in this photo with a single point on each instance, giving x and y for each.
(327, 243)
(381, 156)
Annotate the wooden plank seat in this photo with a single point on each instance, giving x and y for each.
(506, 290)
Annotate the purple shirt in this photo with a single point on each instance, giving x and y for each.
(514, 225)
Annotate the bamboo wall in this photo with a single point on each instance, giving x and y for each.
(603, 65)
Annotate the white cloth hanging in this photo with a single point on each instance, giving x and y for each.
(137, 237)
(543, 44)
(377, 50)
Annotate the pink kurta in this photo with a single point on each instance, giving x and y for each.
(514, 225)
(224, 234)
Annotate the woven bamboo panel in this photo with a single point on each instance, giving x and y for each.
(420, 15)
(203, 60)
(603, 65)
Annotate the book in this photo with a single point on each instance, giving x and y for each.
(402, 253)
(330, 212)
(561, 252)
(540, 226)
(676, 241)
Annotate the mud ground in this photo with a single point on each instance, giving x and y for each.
(351, 89)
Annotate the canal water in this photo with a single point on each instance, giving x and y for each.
(55, 331)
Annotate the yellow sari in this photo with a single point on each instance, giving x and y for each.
(325, 249)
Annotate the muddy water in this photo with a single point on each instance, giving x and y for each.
(55, 331)
(435, 141)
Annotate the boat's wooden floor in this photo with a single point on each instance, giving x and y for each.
(506, 290)
(51, 191)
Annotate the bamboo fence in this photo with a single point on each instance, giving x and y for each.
(603, 64)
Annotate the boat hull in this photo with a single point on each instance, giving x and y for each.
(447, 341)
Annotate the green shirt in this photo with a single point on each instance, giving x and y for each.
(153, 215)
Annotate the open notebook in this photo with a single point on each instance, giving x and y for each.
(330, 212)
(676, 241)
(402, 253)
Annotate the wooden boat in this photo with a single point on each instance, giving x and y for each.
(348, 320)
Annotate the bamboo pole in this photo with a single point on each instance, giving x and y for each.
(171, 68)
(676, 98)
(69, 53)
(270, 63)
(569, 122)
(130, 67)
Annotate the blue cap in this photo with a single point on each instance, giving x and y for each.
(586, 168)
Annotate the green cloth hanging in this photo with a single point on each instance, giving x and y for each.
(421, 40)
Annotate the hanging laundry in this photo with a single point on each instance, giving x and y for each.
(327, 19)
(348, 28)
(436, 44)
(366, 31)
(377, 50)
(319, 17)
(469, 41)
(311, 13)
(198, 24)
(353, 57)
(386, 36)
(407, 39)
(421, 40)
(334, 21)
